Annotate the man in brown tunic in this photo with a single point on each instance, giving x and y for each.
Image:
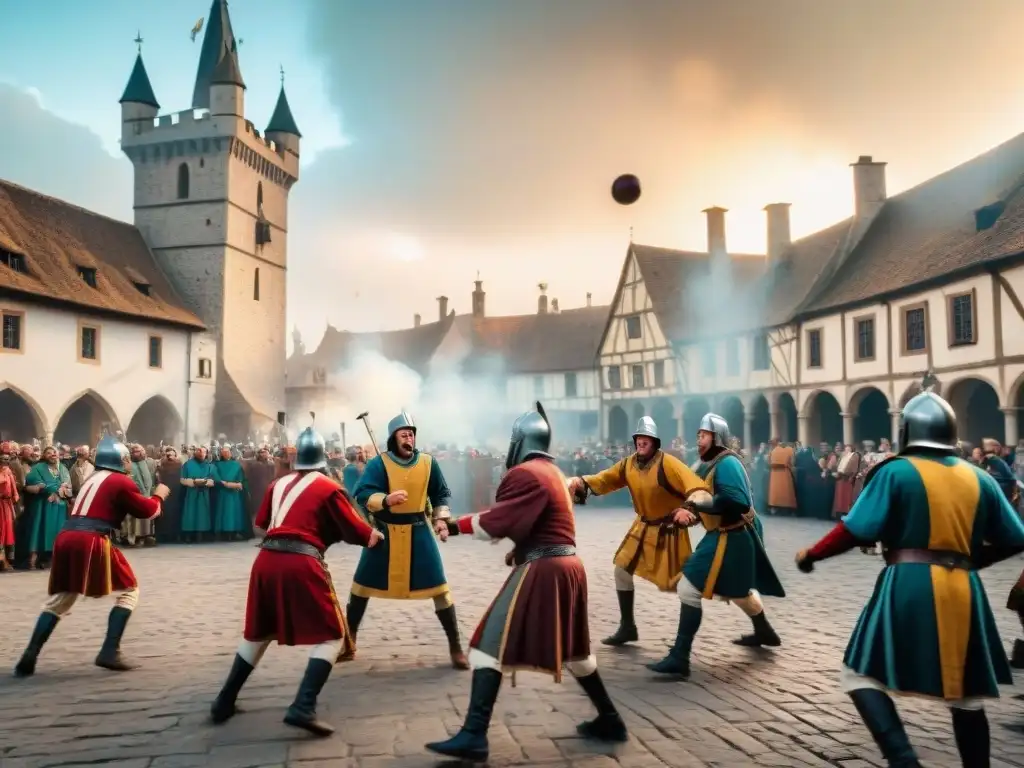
(781, 488)
(538, 621)
(259, 474)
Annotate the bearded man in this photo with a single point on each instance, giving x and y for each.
(142, 531)
(395, 489)
(49, 486)
(657, 543)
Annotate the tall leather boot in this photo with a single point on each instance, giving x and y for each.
(354, 613)
(302, 712)
(608, 725)
(224, 708)
(45, 625)
(626, 633)
(763, 634)
(879, 714)
(110, 656)
(970, 727)
(451, 630)
(470, 743)
(677, 662)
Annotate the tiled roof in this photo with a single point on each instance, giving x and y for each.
(539, 343)
(929, 231)
(56, 238)
(674, 280)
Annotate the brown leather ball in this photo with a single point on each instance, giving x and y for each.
(626, 189)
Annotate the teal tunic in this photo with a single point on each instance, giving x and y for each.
(230, 515)
(350, 474)
(196, 508)
(730, 563)
(928, 629)
(47, 517)
(406, 565)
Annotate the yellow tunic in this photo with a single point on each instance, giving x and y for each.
(652, 550)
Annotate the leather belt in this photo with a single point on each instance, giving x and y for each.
(563, 550)
(953, 560)
(292, 546)
(400, 518)
(745, 520)
(88, 524)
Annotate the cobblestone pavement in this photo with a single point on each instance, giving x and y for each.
(742, 707)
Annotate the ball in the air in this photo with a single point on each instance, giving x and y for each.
(626, 189)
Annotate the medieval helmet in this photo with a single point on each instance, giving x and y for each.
(110, 454)
(401, 421)
(647, 428)
(531, 437)
(719, 427)
(310, 450)
(928, 421)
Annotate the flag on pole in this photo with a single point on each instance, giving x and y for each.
(198, 28)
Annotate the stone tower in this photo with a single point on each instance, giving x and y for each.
(211, 200)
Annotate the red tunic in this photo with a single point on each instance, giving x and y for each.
(538, 621)
(8, 498)
(291, 596)
(85, 562)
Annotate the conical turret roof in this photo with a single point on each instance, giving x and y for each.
(217, 38)
(139, 90)
(227, 71)
(282, 121)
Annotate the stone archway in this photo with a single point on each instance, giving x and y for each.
(21, 419)
(871, 420)
(731, 409)
(693, 411)
(824, 422)
(663, 413)
(786, 418)
(761, 422)
(618, 425)
(976, 403)
(84, 420)
(154, 422)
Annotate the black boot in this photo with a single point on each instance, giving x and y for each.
(302, 712)
(626, 633)
(451, 630)
(763, 634)
(1017, 658)
(354, 617)
(109, 656)
(224, 708)
(470, 743)
(678, 660)
(45, 625)
(608, 725)
(879, 714)
(970, 727)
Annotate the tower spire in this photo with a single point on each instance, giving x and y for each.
(218, 41)
(139, 41)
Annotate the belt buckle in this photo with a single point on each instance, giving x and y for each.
(948, 562)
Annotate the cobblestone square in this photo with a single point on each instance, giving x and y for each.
(742, 708)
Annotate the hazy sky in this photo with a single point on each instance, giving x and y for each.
(446, 137)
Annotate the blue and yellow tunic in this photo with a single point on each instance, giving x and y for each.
(928, 629)
(406, 565)
(730, 560)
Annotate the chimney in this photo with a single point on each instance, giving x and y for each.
(590, 299)
(478, 299)
(554, 306)
(716, 231)
(416, 320)
(779, 237)
(868, 186)
(442, 308)
(542, 300)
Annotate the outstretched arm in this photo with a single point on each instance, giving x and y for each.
(607, 481)
(520, 500)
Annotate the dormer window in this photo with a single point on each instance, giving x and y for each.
(142, 288)
(14, 261)
(88, 274)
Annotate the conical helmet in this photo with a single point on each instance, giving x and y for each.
(110, 454)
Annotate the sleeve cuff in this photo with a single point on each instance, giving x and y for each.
(375, 502)
(442, 512)
(466, 525)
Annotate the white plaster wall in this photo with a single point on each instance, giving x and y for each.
(522, 391)
(1012, 322)
(831, 350)
(49, 375)
(879, 365)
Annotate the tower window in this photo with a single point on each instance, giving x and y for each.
(183, 181)
(256, 285)
(259, 197)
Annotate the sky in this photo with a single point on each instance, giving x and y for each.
(443, 139)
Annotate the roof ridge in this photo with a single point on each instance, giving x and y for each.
(65, 203)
